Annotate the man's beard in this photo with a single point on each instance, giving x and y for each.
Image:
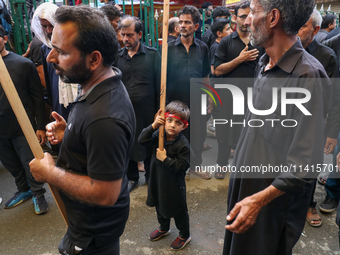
(262, 35)
(78, 73)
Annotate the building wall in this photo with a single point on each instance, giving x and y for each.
(335, 5)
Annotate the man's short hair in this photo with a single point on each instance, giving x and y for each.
(178, 108)
(128, 20)
(192, 10)
(220, 11)
(218, 26)
(173, 22)
(326, 20)
(294, 13)
(94, 31)
(242, 5)
(110, 11)
(2, 31)
(316, 18)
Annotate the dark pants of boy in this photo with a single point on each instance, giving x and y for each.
(223, 154)
(181, 221)
(15, 156)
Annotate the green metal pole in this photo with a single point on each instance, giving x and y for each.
(23, 31)
(124, 6)
(152, 23)
(140, 11)
(28, 23)
(203, 21)
(132, 11)
(157, 43)
(16, 28)
(146, 24)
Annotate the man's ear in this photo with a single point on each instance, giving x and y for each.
(274, 17)
(140, 33)
(94, 59)
(219, 34)
(196, 26)
(316, 30)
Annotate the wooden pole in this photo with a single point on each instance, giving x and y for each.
(25, 124)
(164, 68)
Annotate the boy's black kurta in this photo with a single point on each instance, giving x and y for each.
(167, 179)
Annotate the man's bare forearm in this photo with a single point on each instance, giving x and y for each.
(84, 188)
(227, 67)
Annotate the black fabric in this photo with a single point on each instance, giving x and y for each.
(27, 83)
(167, 188)
(97, 143)
(181, 221)
(213, 49)
(141, 76)
(328, 60)
(52, 86)
(334, 32)
(208, 38)
(230, 48)
(334, 44)
(199, 31)
(35, 49)
(183, 65)
(282, 220)
(171, 38)
(321, 35)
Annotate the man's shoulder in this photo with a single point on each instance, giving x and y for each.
(17, 59)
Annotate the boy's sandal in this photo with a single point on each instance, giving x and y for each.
(220, 175)
(204, 175)
(313, 217)
(322, 180)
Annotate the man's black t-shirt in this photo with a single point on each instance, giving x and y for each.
(97, 143)
(36, 55)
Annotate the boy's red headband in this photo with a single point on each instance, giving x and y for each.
(167, 114)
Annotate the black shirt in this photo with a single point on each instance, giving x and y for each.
(334, 32)
(36, 55)
(208, 38)
(27, 83)
(97, 143)
(183, 65)
(141, 76)
(279, 146)
(171, 38)
(229, 49)
(199, 31)
(213, 49)
(328, 59)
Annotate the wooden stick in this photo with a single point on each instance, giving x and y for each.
(25, 124)
(164, 68)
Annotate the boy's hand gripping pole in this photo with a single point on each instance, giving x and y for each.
(25, 124)
(164, 69)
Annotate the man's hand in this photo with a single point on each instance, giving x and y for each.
(330, 145)
(41, 135)
(41, 169)
(159, 120)
(247, 210)
(161, 155)
(250, 55)
(55, 130)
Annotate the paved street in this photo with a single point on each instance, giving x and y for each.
(22, 232)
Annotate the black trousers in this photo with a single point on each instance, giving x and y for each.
(133, 173)
(181, 221)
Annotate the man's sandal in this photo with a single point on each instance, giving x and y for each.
(313, 217)
(322, 180)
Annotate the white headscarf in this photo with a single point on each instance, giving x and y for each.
(67, 91)
(44, 11)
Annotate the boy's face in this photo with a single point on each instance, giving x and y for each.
(173, 127)
(225, 32)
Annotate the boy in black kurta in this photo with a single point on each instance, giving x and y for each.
(167, 189)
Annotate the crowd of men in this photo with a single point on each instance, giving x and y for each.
(103, 86)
